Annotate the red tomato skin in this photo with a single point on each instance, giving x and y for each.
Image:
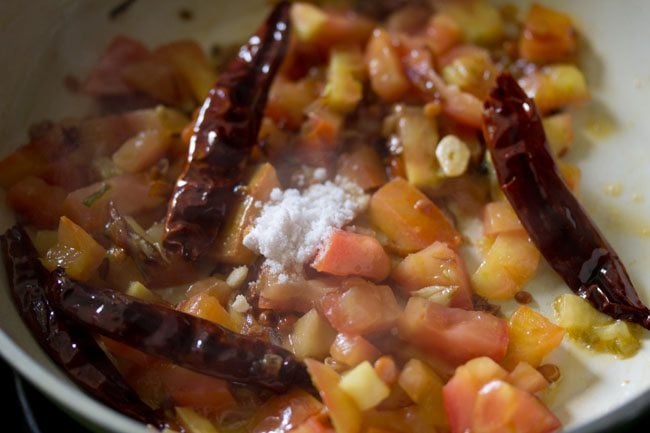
(453, 334)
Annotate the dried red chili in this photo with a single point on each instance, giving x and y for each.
(185, 340)
(69, 346)
(554, 219)
(225, 132)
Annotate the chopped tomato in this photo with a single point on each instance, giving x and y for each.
(409, 218)
(387, 77)
(501, 407)
(155, 77)
(37, 202)
(353, 349)
(527, 378)
(436, 265)
(500, 217)
(509, 264)
(88, 206)
(191, 63)
(314, 424)
(556, 86)
(294, 295)
(352, 254)
(208, 307)
(76, 251)
(363, 167)
(319, 136)
(361, 307)
(288, 100)
(460, 393)
(106, 77)
(442, 33)
(26, 161)
(453, 334)
(199, 391)
(344, 413)
(285, 412)
(548, 36)
(532, 337)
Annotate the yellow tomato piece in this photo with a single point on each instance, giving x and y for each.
(508, 265)
(343, 411)
(229, 246)
(409, 218)
(207, 307)
(532, 337)
(76, 251)
(387, 77)
(555, 86)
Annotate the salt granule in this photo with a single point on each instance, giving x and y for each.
(293, 224)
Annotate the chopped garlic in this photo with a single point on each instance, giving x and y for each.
(237, 277)
(240, 304)
(453, 155)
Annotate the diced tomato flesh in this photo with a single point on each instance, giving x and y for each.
(285, 412)
(353, 349)
(37, 202)
(502, 407)
(532, 337)
(361, 308)
(459, 394)
(353, 254)
(106, 77)
(453, 334)
(436, 265)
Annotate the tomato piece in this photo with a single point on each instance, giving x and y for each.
(361, 308)
(199, 391)
(387, 77)
(37, 202)
(363, 167)
(344, 413)
(319, 136)
(436, 265)
(424, 387)
(229, 245)
(459, 394)
(548, 36)
(142, 151)
(157, 78)
(289, 99)
(314, 424)
(191, 64)
(299, 295)
(555, 86)
(76, 251)
(88, 206)
(106, 77)
(499, 217)
(312, 336)
(527, 378)
(509, 264)
(24, 162)
(453, 334)
(409, 218)
(324, 29)
(352, 254)
(442, 33)
(501, 407)
(353, 349)
(208, 307)
(532, 337)
(285, 412)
